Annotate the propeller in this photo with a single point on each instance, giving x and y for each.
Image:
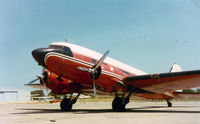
(95, 70)
(41, 78)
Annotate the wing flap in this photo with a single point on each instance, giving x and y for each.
(164, 82)
(187, 95)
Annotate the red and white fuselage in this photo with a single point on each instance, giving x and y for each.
(72, 69)
(65, 61)
(68, 67)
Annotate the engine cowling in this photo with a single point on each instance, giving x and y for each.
(59, 85)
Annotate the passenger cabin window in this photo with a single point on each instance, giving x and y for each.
(94, 61)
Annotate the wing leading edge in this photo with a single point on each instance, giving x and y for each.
(164, 82)
(35, 86)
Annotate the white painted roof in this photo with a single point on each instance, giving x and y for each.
(97, 56)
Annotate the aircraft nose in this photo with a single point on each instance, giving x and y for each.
(39, 54)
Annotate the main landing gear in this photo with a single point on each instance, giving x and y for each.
(119, 103)
(169, 103)
(66, 103)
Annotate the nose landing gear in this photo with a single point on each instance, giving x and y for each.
(67, 103)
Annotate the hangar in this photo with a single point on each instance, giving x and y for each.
(14, 96)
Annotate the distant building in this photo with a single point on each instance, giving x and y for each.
(14, 96)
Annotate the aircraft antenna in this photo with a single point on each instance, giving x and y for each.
(66, 40)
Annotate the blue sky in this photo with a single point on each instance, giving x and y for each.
(149, 35)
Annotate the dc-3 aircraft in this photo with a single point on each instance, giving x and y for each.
(70, 69)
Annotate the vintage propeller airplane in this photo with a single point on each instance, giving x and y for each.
(70, 68)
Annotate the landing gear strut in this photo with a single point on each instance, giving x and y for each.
(66, 103)
(119, 103)
(169, 103)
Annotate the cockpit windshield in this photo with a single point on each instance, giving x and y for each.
(55, 47)
(62, 49)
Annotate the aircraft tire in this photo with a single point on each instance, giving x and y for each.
(169, 104)
(66, 105)
(118, 104)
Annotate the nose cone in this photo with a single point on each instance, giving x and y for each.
(39, 54)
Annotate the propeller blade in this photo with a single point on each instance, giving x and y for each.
(38, 77)
(45, 87)
(101, 60)
(33, 81)
(84, 69)
(42, 70)
(94, 87)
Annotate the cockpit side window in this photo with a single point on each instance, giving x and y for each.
(67, 51)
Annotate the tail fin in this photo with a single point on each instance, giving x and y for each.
(175, 68)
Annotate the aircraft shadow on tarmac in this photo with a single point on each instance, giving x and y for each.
(147, 109)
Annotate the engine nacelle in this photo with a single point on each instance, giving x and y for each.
(59, 85)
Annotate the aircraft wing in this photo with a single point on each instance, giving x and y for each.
(35, 86)
(164, 82)
(187, 95)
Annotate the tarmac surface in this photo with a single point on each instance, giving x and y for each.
(101, 113)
